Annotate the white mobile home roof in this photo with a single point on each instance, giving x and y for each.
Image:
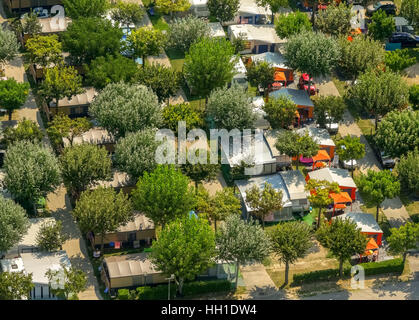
(341, 176)
(217, 30)
(84, 98)
(250, 7)
(275, 59)
(94, 136)
(295, 183)
(140, 222)
(366, 222)
(40, 262)
(319, 135)
(300, 97)
(12, 265)
(129, 265)
(252, 32)
(274, 179)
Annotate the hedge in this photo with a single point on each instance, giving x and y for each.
(370, 268)
(123, 294)
(160, 292)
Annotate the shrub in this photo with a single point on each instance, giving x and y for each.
(155, 293)
(123, 294)
(414, 96)
(399, 60)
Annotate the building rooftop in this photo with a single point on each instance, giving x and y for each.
(250, 7)
(321, 136)
(140, 222)
(295, 183)
(12, 265)
(129, 265)
(300, 97)
(366, 222)
(341, 176)
(52, 25)
(275, 59)
(78, 100)
(119, 180)
(94, 136)
(217, 30)
(264, 33)
(274, 179)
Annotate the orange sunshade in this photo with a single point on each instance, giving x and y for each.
(371, 245)
(340, 206)
(342, 197)
(279, 76)
(322, 155)
(297, 114)
(319, 164)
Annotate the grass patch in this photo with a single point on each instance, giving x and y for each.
(411, 205)
(158, 22)
(340, 85)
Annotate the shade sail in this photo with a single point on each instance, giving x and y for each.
(322, 155)
(342, 197)
(371, 245)
(280, 76)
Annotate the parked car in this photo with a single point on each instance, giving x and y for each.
(407, 40)
(303, 84)
(387, 6)
(402, 25)
(386, 161)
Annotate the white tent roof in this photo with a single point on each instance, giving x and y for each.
(264, 33)
(295, 183)
(319, 135)
(136, 264)
(366, 222)
(250, 7)
(275, 59)
(341, 176)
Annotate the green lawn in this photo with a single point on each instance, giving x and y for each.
(411, 205)
(159, 23)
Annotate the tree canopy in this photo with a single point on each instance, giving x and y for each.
(171, 6)
(136, 152)
(376, 186)
(44, 50)
(102, 210)
(50, 236)
(13, 95)
(410, 10)
(15, 285)
(399, 59)
(75, 281)
(398, 132)
(89, 38)
(292, 23)
(378, 92)
(76, 9)
(146, 41)
(381, 26)
(31, 171)
(350, 148)
(408, 171)
(111, 69)
(199, 172)
(343, 239)
(190, 238)
(209, 64)
(223, 10)
(163, 194)
(14, 224)
(260, 73)
(9, 46)
(25, 130)
(328, 109)
(312, 53)
(335, 20)
(84, 165)
(280, 112)
(126, 13)
(403, 239)
(121, 108)
(230, 108)
(174, 113)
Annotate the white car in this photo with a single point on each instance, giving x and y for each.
(349, 164)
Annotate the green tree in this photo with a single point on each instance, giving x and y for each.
(328, 110)
(381, 26)
(403, 239)
(378, 186)
(410, 10)
(408, 171)
(241, 242)
(31, 171)
(170, 6)
(50, 236)
(75, 281)
(9, 46)
(89, 38)
(111, 69)
(261, 73)
(294, 145)
(172, 114)
(30, 24)
(203, 169)
(358, 55)
(13, 95)
(76, 9)
(136, 152)
(163, 194)
(25, 130)
(399, 59)
(126, 13)
(83, 166)
(343, 239)
(60, 82)
(121, 108)
(398, 132)
(292, 23)
(61, 126)
(147, 41)
(414, 96)
(280, 112)
(312, 53)
(274, 5)
(13, 223)
(378, 92)
(230, 108)
(15, 285)
(223, 10)
(44, 50)
(264, 202)
(319, 197)
(350, 148)
(223, 204)
(290, 242)
(335, 20)
(165, 82)
(183, 32)
(102, 210)
(190, 238)
(209, 65)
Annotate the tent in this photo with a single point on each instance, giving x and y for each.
(340, 200)
(370, 249)
(319, 158)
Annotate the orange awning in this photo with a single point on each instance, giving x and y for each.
(322, 155)
(279, 76)
(319, 164)
(371, 245)
(297, 114)
(342, 197)
(340, 206)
